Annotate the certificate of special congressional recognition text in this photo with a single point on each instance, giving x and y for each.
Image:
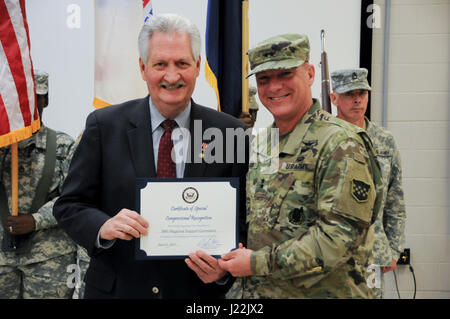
(186, 215)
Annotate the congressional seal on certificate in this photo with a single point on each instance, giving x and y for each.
(186, 215)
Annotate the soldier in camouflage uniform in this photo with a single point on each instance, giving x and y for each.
(35, 266)
(311, 219)
(350, 95)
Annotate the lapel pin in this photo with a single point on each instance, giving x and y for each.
(202, 154)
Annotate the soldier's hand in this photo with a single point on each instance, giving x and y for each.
(237, 262)
(125, 225)
(246, 118)
(20, 225)
(205, 266)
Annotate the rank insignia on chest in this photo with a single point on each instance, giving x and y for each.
(360, 191)
(296, 216)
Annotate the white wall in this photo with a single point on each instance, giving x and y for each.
(68, 54)
(418, 108)
(419, 117)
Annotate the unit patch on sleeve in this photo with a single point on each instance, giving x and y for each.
(360, 191)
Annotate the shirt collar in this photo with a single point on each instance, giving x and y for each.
(157, 118)
(38, 138)
(299, 132)
(367, 124)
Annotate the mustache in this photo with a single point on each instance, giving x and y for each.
(171, 86)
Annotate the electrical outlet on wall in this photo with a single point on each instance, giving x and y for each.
(404, 257)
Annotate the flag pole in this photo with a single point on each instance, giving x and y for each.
(245, 40)
(14, 180)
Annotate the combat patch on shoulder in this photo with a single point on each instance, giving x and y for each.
(360, 191)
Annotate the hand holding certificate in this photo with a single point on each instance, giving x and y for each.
(188, 215)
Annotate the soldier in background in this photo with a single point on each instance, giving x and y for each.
(35, 253)
(311, 219)
(249, 118)
(350, 95)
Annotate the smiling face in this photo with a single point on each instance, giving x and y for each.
(170, 72)
(351, 106)
(286, 93)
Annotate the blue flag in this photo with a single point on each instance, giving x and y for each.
(224, 53)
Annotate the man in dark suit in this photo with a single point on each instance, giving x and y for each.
(120, 143)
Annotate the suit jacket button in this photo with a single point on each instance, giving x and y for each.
(155, 290)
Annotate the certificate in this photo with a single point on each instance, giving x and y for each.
(186, 215)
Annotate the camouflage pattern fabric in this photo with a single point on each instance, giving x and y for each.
(284, 51)
(41, 81)
(311, 223)
(48, 241)
(46, 279)
(390, 224)
(349, 80)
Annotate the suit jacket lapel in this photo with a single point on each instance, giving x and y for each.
(140, 140)
(195, 166)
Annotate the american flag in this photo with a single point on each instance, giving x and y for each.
(19, 117)
(148, 10)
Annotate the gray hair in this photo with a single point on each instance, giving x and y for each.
(168, 23)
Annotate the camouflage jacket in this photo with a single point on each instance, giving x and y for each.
(390, 224)
(48, 241)
(311, 220)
